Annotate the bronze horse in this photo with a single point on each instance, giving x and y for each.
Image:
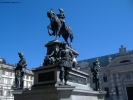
(59, 28)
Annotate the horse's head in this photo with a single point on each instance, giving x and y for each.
(49, 14)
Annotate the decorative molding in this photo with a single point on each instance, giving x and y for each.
(127, 77)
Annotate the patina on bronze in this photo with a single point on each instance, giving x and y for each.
(65, 62)
(58, 26)
(49, 59)
(20, 71)
(95, 70)
(60, 53)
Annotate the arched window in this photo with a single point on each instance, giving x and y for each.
(124, 61)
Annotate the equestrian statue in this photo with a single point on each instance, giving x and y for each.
(59, 27)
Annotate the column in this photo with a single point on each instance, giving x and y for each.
(113, 93)
(119, 87)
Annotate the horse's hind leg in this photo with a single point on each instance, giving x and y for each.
(56, 35)
(71, 38)
(57, 32)
(66, 38)
(70, 44)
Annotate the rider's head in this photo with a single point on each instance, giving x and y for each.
(20, 54)
(61, 10)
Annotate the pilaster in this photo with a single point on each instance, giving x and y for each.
(112, 91)
(119, 87)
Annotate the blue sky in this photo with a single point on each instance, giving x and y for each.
(100, 27)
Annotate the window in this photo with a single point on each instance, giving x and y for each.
(9, 81)
(10, 74)
(27, 77)
(31, 83)
(117, 92)
(1, 92)
(8, 93)
(2, 80)
(1, 87)
(107, 90)
(105, 79)
(31, 78)
(5, 80)
(3, 72)
(124, 61)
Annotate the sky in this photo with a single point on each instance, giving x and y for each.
(99, 27)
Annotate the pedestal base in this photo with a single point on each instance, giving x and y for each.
(58, 93)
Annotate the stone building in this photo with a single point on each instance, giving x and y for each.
(116, 74)
(7, 80)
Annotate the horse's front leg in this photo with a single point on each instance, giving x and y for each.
(65, 38)
(56, 35)
(49, 27)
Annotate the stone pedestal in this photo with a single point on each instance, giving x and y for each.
(49, 75)
(58, 93)
(54, 46)
(46, 86)
(46, 82)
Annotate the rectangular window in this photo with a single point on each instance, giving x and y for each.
(105, 79)
(10, 74)
(2, 80)
(3, 72)
(31, 78)
(9, 81)
(117, 92)
(1, 87)
(1, 92)
(107, 90)
(27, 77)
(8, 93)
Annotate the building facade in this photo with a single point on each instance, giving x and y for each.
(115, 74)
(7, 80)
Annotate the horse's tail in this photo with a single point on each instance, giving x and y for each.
(71, 34)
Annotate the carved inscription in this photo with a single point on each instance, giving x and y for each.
(46, 76)
(77, 79)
